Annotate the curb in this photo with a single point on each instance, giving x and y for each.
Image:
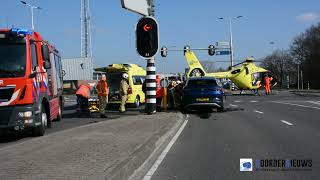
(142, 159)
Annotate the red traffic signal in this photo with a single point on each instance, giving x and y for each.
(147, 34)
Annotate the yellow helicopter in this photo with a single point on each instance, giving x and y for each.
(248, 76)
(245, 75)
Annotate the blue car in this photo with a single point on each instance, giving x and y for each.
(202, 93)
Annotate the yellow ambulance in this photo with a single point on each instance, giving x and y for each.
(136, 78)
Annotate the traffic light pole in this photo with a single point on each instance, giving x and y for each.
(151, 85)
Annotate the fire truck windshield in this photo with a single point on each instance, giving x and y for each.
(12, 60)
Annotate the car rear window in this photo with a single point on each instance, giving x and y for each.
(202, 82)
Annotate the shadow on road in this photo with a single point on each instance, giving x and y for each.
(11, 136)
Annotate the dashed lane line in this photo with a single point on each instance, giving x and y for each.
(292, 104)
(233, 105)
(260, 112)
(286, 122)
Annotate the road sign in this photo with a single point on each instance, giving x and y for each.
(147, 36)
(137, 6)
(223, 44)
(223, 53)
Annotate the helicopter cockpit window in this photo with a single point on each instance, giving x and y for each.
(235, 71)
(247, 70)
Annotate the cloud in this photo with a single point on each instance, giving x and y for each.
(308, 17)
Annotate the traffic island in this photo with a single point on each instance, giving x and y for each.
(112, 149)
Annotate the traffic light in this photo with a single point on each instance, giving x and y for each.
(211, 50)
(147, 37)
(164, 51)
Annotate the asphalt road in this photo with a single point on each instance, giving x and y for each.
(281, 126)
(70, 120)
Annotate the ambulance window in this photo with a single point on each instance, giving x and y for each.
(33, 56)
(143, 78)
(137, 80)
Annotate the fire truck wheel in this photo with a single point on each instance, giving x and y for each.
(40, 130)
(59, 114)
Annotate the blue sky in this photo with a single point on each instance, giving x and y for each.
(181, 22)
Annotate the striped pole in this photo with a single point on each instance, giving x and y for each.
(151, 86)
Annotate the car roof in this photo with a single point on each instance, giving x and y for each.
(202, 78)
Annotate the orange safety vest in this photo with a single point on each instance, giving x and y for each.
(103, 89)
(266, 81)
(159, 91)
(83, 90)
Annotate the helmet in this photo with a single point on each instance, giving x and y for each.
(125, 75)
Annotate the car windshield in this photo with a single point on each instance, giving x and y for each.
(201, 83)
(12, 60)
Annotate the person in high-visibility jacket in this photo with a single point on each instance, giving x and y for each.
(159, 92)
(124, 86)
(82, 95)
(267, 84)
(83, 90)
(103, 92)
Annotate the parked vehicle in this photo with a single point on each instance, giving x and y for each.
(136, 78)
(30, 82)
(202, 94)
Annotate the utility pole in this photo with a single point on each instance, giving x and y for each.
(31, 10)
(301, 79)
(298, 77)
(231, 42)
(231, 36)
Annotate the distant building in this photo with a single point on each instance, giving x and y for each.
(76, 71)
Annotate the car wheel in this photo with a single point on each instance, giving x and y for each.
(40, 130)
(137, 102)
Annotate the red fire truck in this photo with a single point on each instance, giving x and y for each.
(30, 82)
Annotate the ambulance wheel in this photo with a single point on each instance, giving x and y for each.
(137, 102)
(40, 130)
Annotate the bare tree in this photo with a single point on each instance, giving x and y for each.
(208, 66)
(281, 64)
(305, 50)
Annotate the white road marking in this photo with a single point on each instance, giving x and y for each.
(260, 112)
(233, 105)
(253, 101)
(296, 105)
(237, 101)
(286, 122)
(314, 102)
(164, 153)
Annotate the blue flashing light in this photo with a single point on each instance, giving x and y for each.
(19, 31)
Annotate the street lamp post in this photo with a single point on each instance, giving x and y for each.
(231, 36)
(31, 9)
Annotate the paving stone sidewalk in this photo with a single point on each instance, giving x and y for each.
(111, 149)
